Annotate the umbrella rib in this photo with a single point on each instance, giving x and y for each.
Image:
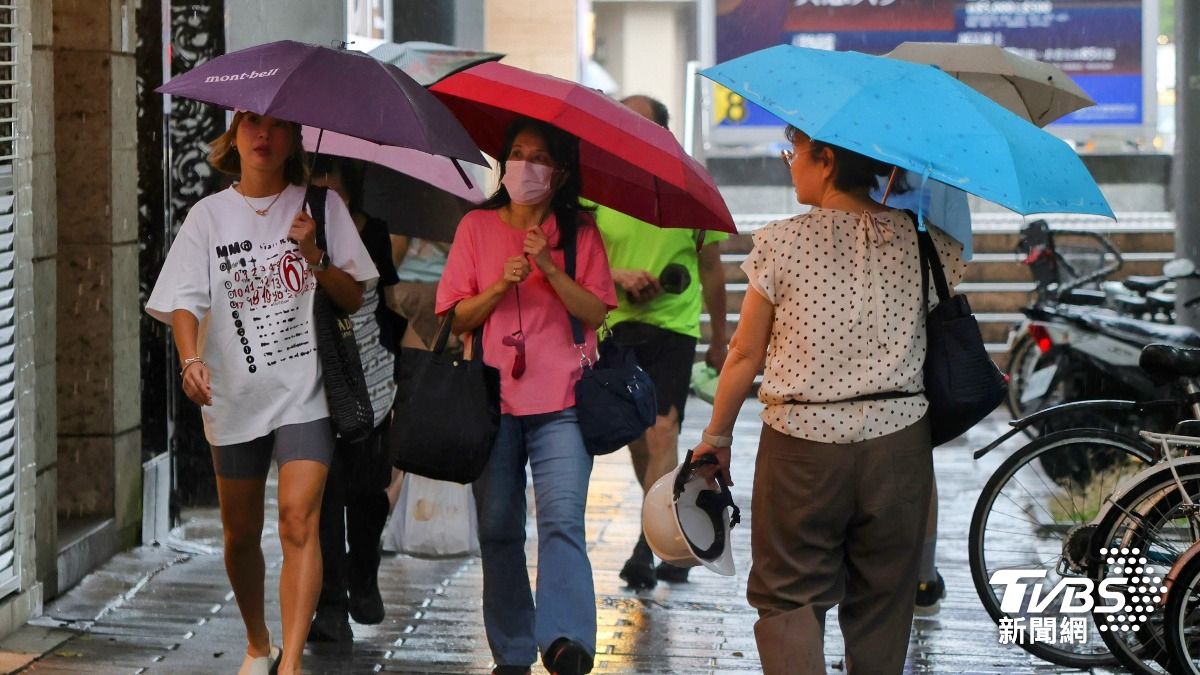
(1021, 96)
(287, 78)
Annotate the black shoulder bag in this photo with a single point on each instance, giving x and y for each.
(614, 400)
(962, 383)
(350, 408)
(447, 411)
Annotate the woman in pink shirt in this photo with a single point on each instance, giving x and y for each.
(505, 276)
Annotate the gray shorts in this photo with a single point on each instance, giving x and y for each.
(252, 459)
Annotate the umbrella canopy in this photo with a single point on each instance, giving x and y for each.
(439, 172)
(335, 89)
(412, 207)
(1038, 92)
(628, 163)
(428, 62)
(918, 118)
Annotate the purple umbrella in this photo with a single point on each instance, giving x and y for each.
(335, 89)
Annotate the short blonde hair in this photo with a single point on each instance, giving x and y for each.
(223, 154)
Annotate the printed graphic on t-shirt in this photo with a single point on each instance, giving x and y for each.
(261, 284)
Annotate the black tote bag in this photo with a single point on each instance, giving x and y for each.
(350, 409)
(962, 383)
(447, 411)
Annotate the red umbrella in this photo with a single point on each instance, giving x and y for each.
(629, 163)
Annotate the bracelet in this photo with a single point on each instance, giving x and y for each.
(188, 363)
(716, 441)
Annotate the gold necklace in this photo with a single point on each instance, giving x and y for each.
(261, 212)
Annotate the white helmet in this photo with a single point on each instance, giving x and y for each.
(686, 518)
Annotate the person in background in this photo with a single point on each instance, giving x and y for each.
(355, 506)
(947, 208)
(661, 274)
(237, 289)
(506, 283)
(844, 467)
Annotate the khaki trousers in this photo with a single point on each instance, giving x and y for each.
(838, 525)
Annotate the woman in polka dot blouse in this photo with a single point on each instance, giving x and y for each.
(844, 467)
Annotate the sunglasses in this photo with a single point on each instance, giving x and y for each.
(789, 154)
(517, 341)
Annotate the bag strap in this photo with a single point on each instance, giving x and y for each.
(315, 199)
(931, 265)
(443, 337)
(569, 264)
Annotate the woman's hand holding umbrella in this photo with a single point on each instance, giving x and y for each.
(537, 248)
(304, 233)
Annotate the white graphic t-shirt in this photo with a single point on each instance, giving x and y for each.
(253, 294)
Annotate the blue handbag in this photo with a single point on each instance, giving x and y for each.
(614, 399)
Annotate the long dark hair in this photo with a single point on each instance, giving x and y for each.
(854, 171)
(351, 173)
(564, 150)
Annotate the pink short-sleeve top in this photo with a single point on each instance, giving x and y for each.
(482, 244)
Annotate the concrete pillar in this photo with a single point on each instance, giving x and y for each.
(538, 35)
(1186, 169)
(99, 451)
(39, 426)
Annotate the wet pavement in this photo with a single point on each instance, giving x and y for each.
(168, 609)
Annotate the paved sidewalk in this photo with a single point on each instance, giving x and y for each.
(170, 610)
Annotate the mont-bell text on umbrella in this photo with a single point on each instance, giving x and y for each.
(241, 76)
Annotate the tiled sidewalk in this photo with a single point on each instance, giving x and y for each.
(181, 619)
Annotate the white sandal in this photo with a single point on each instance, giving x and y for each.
(262, 665)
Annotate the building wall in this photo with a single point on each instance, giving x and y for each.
(645, 46)
(253, 22)
(538, 35)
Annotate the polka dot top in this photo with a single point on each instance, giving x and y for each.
(846, 289)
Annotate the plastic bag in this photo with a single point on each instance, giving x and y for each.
(433, 519)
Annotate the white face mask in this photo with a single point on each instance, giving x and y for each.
(527, 182)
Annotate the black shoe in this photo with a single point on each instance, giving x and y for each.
(330, 626)
(366, 604)
(511, 670)
(567, 657)
(371, 512)
(670, 573)
(929, 596)
(638, 571)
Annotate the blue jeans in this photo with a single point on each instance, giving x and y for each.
(566, 599)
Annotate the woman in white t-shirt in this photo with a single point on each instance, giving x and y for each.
(237, 288)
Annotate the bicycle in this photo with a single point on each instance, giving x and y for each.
(1040, 507)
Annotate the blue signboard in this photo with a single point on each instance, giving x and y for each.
(1097, 42)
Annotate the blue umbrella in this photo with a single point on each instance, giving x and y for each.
(918, 118)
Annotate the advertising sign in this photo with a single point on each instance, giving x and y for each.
(1101, 44)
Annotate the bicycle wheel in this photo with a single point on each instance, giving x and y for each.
(1035, 513)
(1153, 519)
(1182, 619)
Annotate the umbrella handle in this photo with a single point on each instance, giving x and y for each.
(312, 164)
(891, 181)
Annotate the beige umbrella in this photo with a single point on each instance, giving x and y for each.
(1037, 91)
